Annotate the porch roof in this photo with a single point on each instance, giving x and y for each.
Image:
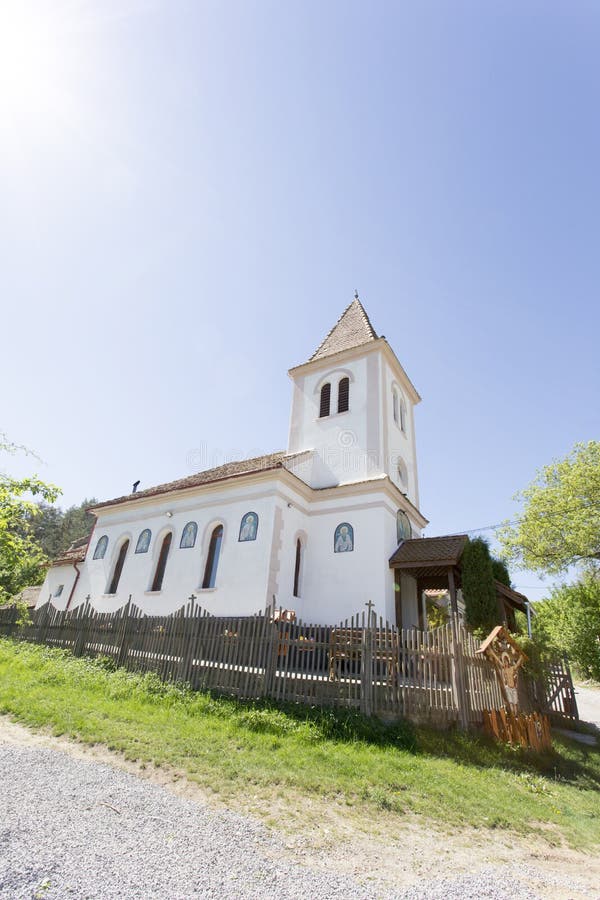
(511, 597)
(430, 556)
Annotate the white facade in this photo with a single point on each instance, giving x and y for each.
(339, 486)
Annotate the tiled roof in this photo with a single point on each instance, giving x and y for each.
(352, 329)
(75, 553)
(514, 598)
(29, 595)
(221, 473)
(421, 551)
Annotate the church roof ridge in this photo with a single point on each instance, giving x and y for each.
(352, 329)
(207, 476)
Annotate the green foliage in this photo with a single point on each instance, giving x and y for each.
(560, 523)
(262, 755)
(500, 570)
(436, 615)
(22, 560)
(479, 592)
(55, 529)
(569, 620)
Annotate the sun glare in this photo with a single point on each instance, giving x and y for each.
(29, 59)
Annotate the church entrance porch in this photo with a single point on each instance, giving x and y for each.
(433, 565)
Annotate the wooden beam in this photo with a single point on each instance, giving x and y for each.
(452, 591)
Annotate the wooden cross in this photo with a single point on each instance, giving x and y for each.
(369, 606)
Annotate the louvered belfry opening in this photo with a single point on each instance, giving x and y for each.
(162, 563)
(325, 400)
(114, 583)
(344, 395)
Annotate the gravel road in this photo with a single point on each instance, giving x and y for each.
(73, 828)
(588, 704)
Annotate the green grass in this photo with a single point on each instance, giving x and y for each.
(265, 751)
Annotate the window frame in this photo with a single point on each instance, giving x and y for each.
(158, 578)
(341, 398)
(213, 556)
(325, 400)
(119, 565)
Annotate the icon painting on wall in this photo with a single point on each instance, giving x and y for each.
(344, 538)
(404, 531)
(248, 527)
(143, 542)
(188, 538)
(101, 547)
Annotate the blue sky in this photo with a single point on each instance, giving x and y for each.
(191, 192)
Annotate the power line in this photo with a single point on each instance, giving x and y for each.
(548, 515)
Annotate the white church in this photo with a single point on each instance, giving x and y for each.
(311, 529)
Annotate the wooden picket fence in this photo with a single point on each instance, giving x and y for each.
(363, 663)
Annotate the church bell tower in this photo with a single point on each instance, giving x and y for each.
(352, 411)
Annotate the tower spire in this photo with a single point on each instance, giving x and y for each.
(352, 329)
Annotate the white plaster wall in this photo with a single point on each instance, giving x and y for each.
(399, 444)
(349, 443)
(55, 576)
(334, 586)
(242, 575)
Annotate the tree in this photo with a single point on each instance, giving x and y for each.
(560, 523)
(500, 571)
(55, 529)
(569, 620)
(479, 591)
(22, 560)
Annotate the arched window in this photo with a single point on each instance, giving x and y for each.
(343, 540)
(143, 542)
(188, 538)
(344, 395)
(212, 560)
(162, 562)
(325, 400)
(395, 406)
(297, 568)
(248, 527)
(403, 415)
(116, 577)
(101, 546)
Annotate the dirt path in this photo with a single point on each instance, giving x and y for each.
(385, 853)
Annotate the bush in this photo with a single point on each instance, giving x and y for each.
(479, 591)
(569, 620)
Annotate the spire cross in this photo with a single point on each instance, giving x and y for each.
(355, 294)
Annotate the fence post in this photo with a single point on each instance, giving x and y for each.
(571, 699)
(83, 622)
(125, 634)
(41, 624)
(366, 665)
(458, 675)
(189, 650)
(271, 655)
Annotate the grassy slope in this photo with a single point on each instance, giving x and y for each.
(237, 749)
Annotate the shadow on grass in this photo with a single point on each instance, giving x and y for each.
(569, 762)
